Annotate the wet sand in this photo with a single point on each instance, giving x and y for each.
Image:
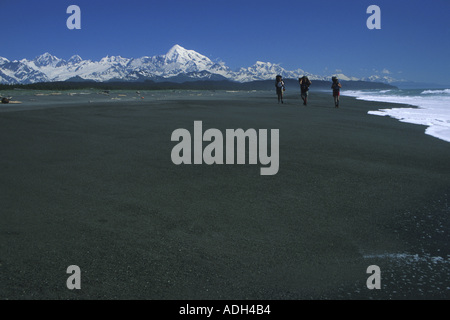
(92, 184)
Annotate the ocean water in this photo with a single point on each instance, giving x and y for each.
(431, 108)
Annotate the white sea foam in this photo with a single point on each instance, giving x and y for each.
(433, 108)
(409, 257)
(446, 91)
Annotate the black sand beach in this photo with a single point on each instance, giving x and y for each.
(93, 185)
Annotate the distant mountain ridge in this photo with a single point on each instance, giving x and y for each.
(177, 65)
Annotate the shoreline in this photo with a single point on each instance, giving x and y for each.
(426, 108)
(94, 186)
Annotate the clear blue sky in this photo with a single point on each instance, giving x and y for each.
(319, 36)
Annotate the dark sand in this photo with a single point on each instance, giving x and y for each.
(93, 185)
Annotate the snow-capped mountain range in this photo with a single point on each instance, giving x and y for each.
(177, 62)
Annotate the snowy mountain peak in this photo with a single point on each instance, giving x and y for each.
(75, 59)
(44, 56)
(178, 50)
(178, 54)
(175, 52)
(46, 59)
(114, 60)
(3, 60)
(176, 47)
(341, 76)
(377, 78)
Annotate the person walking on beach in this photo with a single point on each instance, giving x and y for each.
(304, 88)
(279, 84)
(336, 86)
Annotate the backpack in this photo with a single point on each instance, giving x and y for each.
(305, 84)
